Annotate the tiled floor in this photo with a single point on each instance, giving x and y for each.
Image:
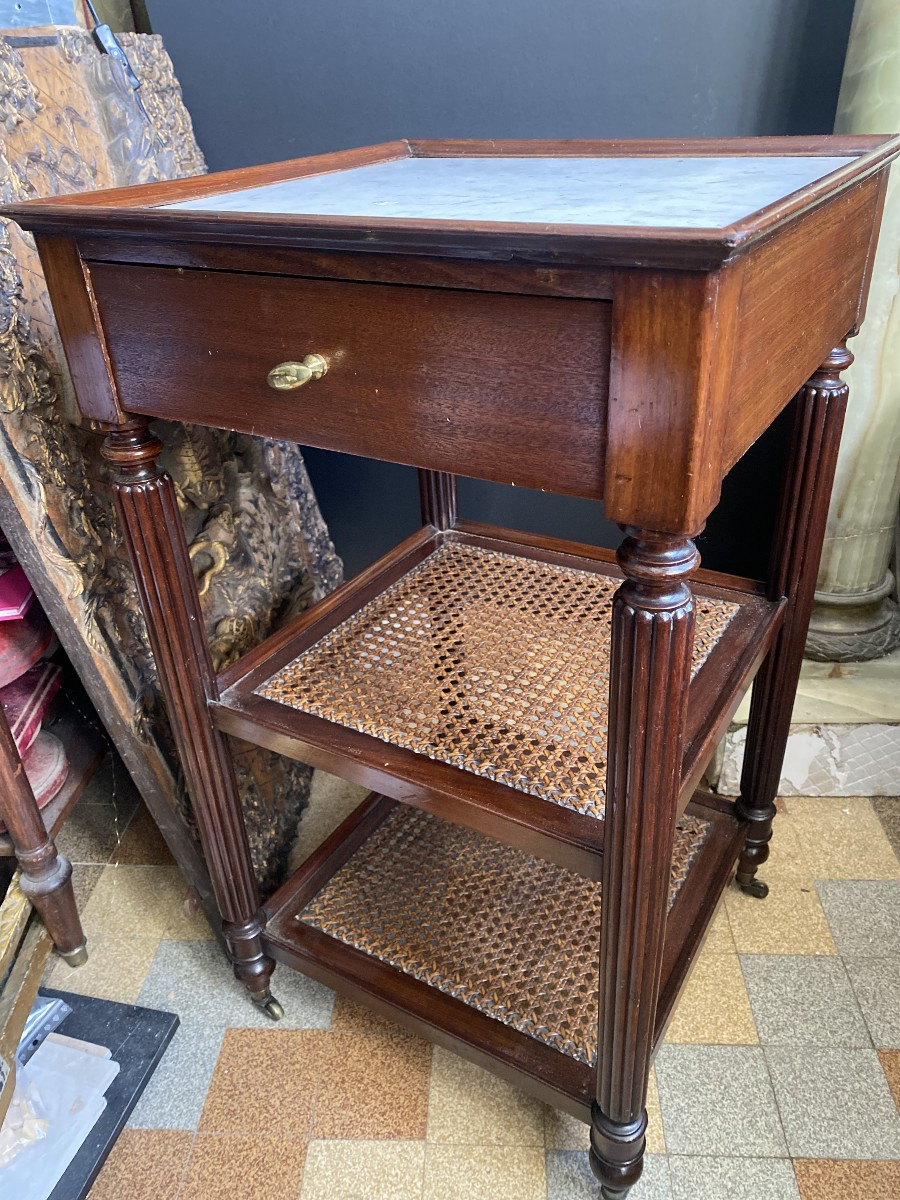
(780, 1077)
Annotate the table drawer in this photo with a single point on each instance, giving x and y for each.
(502, 387)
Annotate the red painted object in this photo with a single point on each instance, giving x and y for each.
(27, 699)
(46, 766)
(22, 644)
(15, 594)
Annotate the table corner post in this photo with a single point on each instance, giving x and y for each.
(154, 538)
(819, 409)
(438, 498)
(650, 666)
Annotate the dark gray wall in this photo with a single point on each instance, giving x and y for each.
(281, 78)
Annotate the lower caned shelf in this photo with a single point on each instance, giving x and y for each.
(480, 946)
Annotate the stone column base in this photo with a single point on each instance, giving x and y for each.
(854, 626)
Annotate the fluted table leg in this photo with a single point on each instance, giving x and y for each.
(438, 498)
(652, 640)
(154, 537)
(818, 418)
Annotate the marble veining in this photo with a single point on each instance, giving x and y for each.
(676, 193)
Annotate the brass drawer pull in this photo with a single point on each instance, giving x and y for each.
(289, 375)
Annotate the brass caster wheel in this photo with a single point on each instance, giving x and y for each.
(269, 1005)
(753, 887)
(75, 958)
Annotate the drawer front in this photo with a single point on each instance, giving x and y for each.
(501, 387)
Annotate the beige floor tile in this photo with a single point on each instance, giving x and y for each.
(266, 1082)
(656, 1141)
(135, 902)
(85, 877)
(363, 1171)
(718, 936)
(349, 1017)
(842, 838)
(789, 921)
(494, 1172)
(188, 922)
(786, 861)
(222, 1167)
(714, 1008)
(115, 969)
(144, 1164)
(563, 1132)
(372, 1087)
(468, 1106)
(142, 844)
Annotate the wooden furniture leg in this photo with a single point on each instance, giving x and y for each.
(154, 537)
(818, 419)
(437, 495)
(652, 640)
(46, 875)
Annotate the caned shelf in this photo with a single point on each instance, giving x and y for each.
(481, 945)
(467, 672)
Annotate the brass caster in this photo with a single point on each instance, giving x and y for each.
(75, 958)
(269, 1005)
(753, 887)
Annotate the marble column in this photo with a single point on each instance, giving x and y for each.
(855, 615)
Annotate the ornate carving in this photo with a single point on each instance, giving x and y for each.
(18, 99)
(69, 121)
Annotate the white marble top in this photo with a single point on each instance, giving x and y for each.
(677, 193)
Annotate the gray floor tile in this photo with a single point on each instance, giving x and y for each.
(306, 1004)
(864, 916)
(834, 1103)
(112, 784)
(876, 982)
(85, 877)
(175, 1095)
(194, 980)
(718, 1101)
(695, 1178)
(569, 1177)
(93, 831)
(803, 1000)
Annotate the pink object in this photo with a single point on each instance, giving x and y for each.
(46, 766)
(26, 700)
(23, 643)
(15, 594)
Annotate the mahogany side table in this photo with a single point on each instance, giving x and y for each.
(612, 320)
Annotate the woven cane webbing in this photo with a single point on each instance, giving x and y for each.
(493, 663)
(510, 935)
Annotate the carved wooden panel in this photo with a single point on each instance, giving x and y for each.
(69, 121)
